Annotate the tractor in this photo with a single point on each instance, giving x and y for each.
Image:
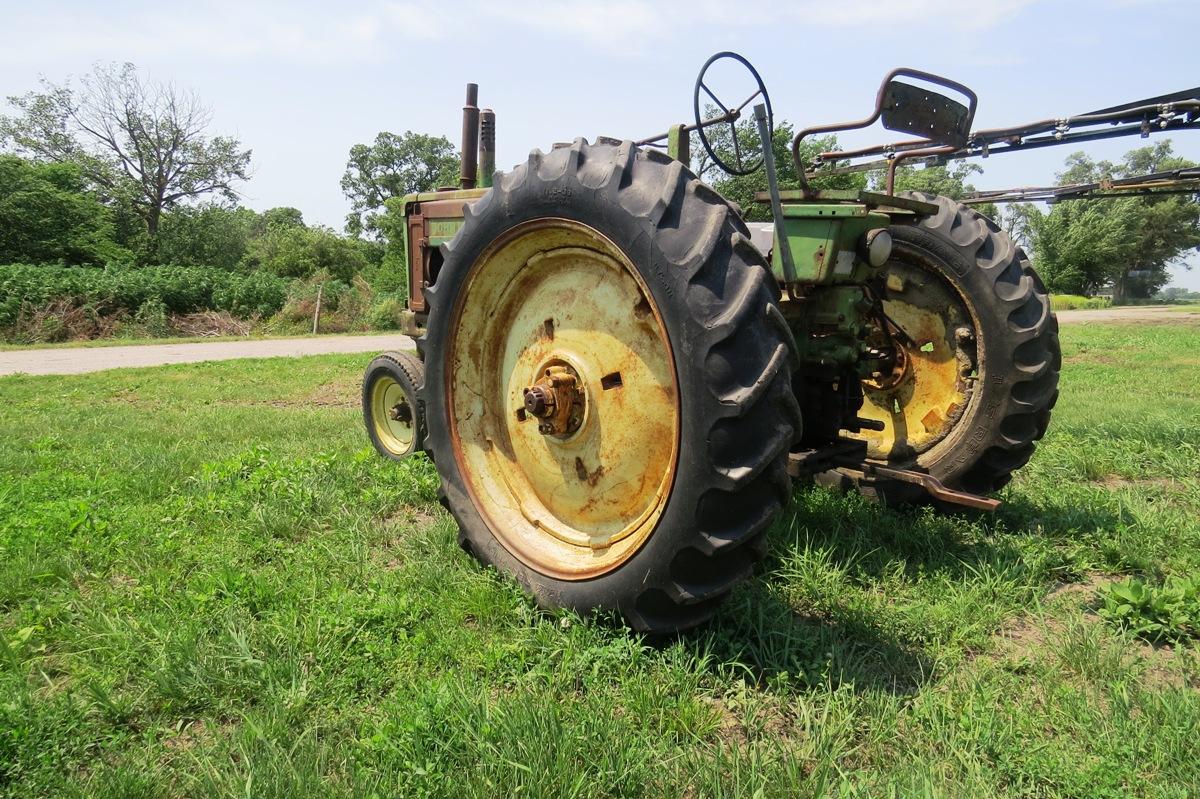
(618, 378)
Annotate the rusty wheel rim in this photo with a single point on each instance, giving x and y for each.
(922, 403)
(554, 303)
(392, 416)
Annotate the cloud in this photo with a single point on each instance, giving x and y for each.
(222, 30)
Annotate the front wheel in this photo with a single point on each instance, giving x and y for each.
(391, 406)
(977, 372)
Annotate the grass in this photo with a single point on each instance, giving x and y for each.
(209, 586)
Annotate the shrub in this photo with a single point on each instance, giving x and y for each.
(1072, 302)
(152, 317)
(385, 314)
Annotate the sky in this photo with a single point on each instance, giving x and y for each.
(302, 82)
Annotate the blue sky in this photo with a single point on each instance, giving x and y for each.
(302, 82)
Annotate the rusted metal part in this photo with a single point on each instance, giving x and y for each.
(931, 484)
(1166, 113)
(470, 139)
(432, 218)
(848, 456)
(922, 394)
(1176, 181)
(557, 399)
(555, 295)
(487, 147)
(887, 98)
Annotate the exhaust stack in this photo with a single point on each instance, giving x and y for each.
(470, 139)
(487, 147)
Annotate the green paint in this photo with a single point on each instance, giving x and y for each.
(679, 143)
(823, 238)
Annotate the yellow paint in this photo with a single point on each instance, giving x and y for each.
(921, 408)
(551, 293)
(387, 398)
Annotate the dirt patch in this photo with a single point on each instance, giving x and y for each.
(1025, 636)
(410, 516)
(1129, 313)
(338, 394)
(739, 720)
(1092, 358)
(1114, 482)
(191, 734)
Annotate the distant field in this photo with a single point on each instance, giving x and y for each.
(209, 585)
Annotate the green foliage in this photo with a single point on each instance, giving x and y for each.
(48, 216)
(385, 314)
(207, 235)
(742, 188)
(392, 273)
(392, 166)
(281, 217)
(303, 252)
(1157, 612)
(1072, 302)
(152, 317)
(1082, 246)
(946, 180)
(179, 289)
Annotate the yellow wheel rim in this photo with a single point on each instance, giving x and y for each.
(392, 415)
(555, 296)
(921, 403)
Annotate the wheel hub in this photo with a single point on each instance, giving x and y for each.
(557, 400)
(924, 388)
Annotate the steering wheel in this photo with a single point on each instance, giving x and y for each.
(730, 115)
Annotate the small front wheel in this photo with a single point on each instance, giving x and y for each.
(391, 406)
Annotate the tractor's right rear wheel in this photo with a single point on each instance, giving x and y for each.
(978, 378)
(608, 386)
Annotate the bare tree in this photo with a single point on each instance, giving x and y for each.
(145, 143)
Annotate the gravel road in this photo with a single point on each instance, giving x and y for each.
(77, 360)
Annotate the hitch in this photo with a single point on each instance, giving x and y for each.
(849, 455)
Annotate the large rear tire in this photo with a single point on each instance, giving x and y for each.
(615, 272)
(981, 374)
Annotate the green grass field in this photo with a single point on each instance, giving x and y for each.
(210, 586)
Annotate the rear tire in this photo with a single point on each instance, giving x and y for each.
(735, 417)
(1015, 344)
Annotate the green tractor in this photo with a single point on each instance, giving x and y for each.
(619, 379)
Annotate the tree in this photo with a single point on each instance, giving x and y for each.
(947, 180)
(742, 188)
(141, 143)
(208, 235)
(393, 166)
(280, 217)
(302, 252)
(48, 216)
(1083, 246)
